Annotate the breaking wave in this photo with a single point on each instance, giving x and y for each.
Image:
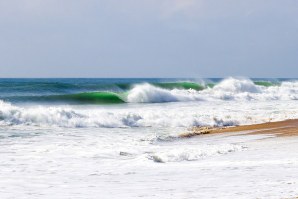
(213, 106)
(174, 115)
(227, 89)
(147, 93)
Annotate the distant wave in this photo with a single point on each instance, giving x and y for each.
(88, 94)
(227, 89)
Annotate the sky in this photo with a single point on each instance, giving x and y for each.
(148, 38)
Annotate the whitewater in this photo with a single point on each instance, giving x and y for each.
(119, 138)
(230, 102)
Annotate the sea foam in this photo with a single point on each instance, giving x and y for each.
(228, 89)
(193, 153)
(182, 114)
(231, 102)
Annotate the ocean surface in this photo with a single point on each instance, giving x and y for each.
(119, 138)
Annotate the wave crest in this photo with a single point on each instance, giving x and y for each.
(227, 89)
(234, 85)
(147, 93)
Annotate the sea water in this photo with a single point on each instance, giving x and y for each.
(119, 138)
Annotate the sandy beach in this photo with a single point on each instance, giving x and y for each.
(280, 128)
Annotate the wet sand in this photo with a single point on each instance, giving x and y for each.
(282, 128)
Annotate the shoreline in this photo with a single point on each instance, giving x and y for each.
(279, 129)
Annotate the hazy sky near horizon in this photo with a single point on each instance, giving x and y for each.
(148, 38)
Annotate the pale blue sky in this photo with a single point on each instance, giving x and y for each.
(148, 38)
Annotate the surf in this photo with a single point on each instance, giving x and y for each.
(103, 92)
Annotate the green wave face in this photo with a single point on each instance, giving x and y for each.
(167, 85)
(210, 85)
(111, 97)
(92, 98)
(180, 85)
(265, 83)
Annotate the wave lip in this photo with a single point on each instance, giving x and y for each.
(180, 85)
(147, 93)
(234, 85)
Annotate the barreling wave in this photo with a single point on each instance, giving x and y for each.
(227, 89)
(88, 98)
(94, 93)
(62, 87)
(141, 93)
(233, 90)
(78, 98)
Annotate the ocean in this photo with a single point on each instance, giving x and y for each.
(119, 138)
